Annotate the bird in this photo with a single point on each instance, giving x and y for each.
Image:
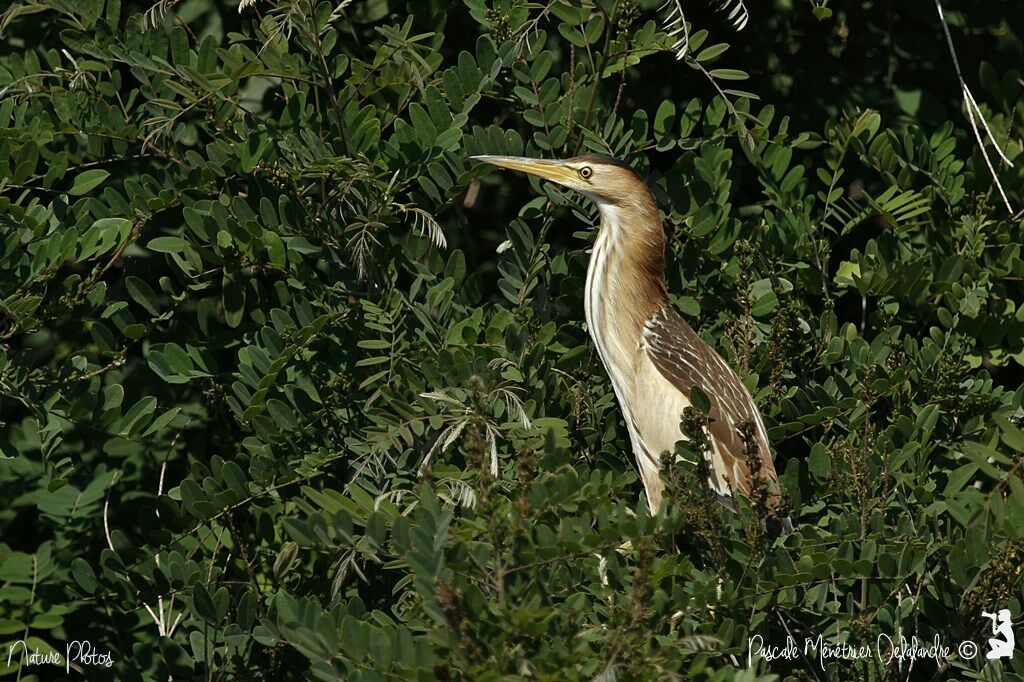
(652, 356)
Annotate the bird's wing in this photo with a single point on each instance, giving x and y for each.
(683, 358)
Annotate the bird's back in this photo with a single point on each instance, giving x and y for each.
(683, 360)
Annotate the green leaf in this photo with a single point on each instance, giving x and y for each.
(167, 244)
(202, 603)
(275, 248)
(1011, 435)
(233, 300)
(139, 413)
(908, 100)
(84, 575)
(88, 180)
(143, 294)
(160, 422)
(818, 462)
(729, 74)
(700, 400)
(709, 53)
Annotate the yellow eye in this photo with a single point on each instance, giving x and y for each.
(586, 172)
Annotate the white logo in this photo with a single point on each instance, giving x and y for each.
(1002, 642)
(81, 651)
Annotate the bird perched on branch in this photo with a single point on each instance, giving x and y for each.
(652, 355)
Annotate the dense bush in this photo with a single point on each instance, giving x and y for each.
(290, 388)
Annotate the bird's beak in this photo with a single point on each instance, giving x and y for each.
(556, 171)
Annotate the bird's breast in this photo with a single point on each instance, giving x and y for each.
(615, 337)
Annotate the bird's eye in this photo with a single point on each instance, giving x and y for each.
(586, 172)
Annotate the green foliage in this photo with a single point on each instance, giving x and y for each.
(290, 389)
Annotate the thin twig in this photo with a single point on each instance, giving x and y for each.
(972, 109)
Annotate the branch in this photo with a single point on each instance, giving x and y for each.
(972, 110)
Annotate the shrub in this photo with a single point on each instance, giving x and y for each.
(292, 389)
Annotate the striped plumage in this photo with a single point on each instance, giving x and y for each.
(686, 361)
(653, 358)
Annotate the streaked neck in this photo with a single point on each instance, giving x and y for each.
(625, 277)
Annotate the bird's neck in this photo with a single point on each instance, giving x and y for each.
(625, 280)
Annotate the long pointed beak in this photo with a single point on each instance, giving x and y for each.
(556, 171)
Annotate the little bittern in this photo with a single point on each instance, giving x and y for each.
(653, 357)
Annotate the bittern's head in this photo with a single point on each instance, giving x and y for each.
(603, 179)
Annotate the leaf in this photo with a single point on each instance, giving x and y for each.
(281, 413)
(233, 300)
(709, 53)
(168, 244)
(143, 294)
(84, 575)
(202, 603)
(88, 180)
(285, 557)
(275, 248)
(984, 456)
(818, 462)
(729, 74)
(160, 422)
(246, 613)
(700, 400)
(139, 413)
(1011, 435)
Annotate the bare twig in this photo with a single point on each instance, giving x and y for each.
(974, 110)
